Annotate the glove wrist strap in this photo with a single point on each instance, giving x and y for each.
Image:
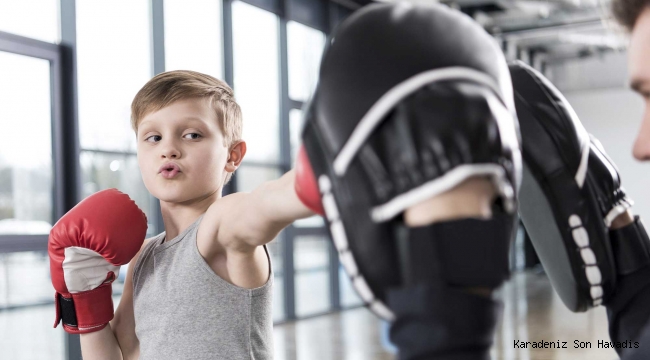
(631, 247)
(460, 253)
(87, 311)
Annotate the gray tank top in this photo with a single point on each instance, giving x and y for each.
(183, 310)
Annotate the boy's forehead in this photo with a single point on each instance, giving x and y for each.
(182, 111)
(151, 121)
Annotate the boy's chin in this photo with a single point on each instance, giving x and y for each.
(171, 196)
(177, 195)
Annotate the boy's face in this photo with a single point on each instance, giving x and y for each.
(639, 68)
(181, 152)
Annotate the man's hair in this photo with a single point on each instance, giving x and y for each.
(627, 12)
(171, 86)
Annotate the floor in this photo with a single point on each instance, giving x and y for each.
(532, 312)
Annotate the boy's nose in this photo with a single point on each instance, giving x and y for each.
(641, 149)
(170, 152)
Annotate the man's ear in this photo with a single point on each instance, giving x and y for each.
(236, 155)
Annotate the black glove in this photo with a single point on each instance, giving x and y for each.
(397, 119)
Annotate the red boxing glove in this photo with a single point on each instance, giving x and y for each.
(87, 246)
(306, 185)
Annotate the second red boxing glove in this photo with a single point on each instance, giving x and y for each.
(87, 246)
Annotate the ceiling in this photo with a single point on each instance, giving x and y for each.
(551, 30)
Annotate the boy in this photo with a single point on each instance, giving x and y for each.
(201, 289)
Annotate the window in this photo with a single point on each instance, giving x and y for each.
(193, 38)
(114, 62)
(305, 48)
(26, 173)
(38, 19)
(311, 261)
(349, 296)
(27, 330)
(255, 67)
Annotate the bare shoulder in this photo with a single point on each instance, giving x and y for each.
(221, 244)
(219, 224)
(228, 202)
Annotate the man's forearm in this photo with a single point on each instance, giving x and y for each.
(622, 220)
(100, 345)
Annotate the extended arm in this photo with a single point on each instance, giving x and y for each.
(253, 219)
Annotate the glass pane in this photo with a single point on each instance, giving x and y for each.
(25, 279)
(295, 129)
(105, 170)
(311, 252)
(311, 263)
(114, 62)
(312, 293)
(348, 295)
(275, 249)
(250, 177)
(314, 221)
(38, 19)
(193, 36)
(305, 48)
(255, 56)
(26, 173)
(27, 334)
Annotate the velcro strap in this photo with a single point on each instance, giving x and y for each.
(631, 247)
(462, 253)
(65, 311)
(86, 311)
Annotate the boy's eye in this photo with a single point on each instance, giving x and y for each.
(193, 136)
(155, 138)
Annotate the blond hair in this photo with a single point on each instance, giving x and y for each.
(168, 87)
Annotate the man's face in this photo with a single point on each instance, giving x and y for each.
(184, 134)
(639, 66)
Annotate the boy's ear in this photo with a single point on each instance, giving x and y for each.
(236, 155)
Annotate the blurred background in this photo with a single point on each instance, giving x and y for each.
(69, 70)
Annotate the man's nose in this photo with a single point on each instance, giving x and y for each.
(641, 149)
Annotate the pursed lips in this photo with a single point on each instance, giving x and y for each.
(169, 170)
(169, 166)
